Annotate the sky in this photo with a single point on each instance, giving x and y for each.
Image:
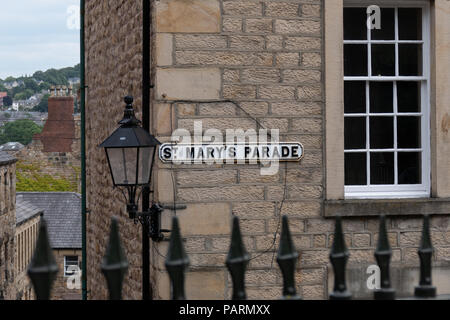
(38, 35)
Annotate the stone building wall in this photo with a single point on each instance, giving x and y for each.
(61, 289)
(267, 56)
(113, 70)
(7, 229)
(25, 239)
(60, 163)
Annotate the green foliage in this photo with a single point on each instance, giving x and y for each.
(30, 179)
(9, 79)
(7, 115)
(19, 131)
(50, 77)
(24, 95)
(43, 105)
(31, 84)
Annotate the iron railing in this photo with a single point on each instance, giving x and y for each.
(42, 270)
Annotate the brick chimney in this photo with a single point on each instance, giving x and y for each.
(59, 129)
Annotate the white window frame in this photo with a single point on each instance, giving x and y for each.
(66, 265)
(396, 190)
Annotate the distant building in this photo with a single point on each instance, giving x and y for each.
(2, 95)
(62, 212)
(74, 80)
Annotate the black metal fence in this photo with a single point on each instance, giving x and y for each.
(42, 270)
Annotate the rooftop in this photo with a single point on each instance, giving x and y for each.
(6, 158)
(62, 212)
(11, 146)
(25, 211)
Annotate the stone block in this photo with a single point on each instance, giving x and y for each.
(164, 49)
(305, 27)
(203, 219)
(193, 16)
(189, 84)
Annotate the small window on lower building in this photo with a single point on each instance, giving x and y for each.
(70, 265)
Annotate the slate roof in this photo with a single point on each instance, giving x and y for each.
(11, 146)
(62, 212)
(25, 211)
(6, 158)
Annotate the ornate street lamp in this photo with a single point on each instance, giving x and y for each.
(130, 151)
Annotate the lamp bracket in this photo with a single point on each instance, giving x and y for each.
(152, 219)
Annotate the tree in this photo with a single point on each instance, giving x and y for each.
(7, 101)
(31, 84)
(43, 105)
(19, 131)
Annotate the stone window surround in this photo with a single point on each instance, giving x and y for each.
(439, 202)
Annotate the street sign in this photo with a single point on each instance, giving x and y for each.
(230, 153)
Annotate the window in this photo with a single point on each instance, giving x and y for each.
(386, 102)
(70, 265)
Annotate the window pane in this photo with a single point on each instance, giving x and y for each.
(355, 169)
(123, 164)
(382, 168)
(355, 97)
(410, 59)
(381, 97)
(410, 23)
(408, 96)
(381, 132)
(408, 132)
(355, 60)
(355, 24)
(383, 59)
(355, 133)
(387, 31)
(145, 162)
(409, 168)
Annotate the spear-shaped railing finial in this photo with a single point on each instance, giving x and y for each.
(176, 262)
(287, 259)
(43, 268)
(425, 289)
(383, 255)
(237, 261)
(114, 264)
(338, 257)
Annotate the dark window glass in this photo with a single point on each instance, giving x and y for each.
(355, 97)
(355, 60)
(381, 97)
(410, 59)
(355, 133)
(409, 168)
(387, 31)
(408, 132)
(381, 132)
(355, 24)
(382, 168)
(408, 96)
(383, 60)
(355, 169)
(410, 23)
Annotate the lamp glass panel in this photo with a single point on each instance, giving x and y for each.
(145, 164)
(123, 165)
